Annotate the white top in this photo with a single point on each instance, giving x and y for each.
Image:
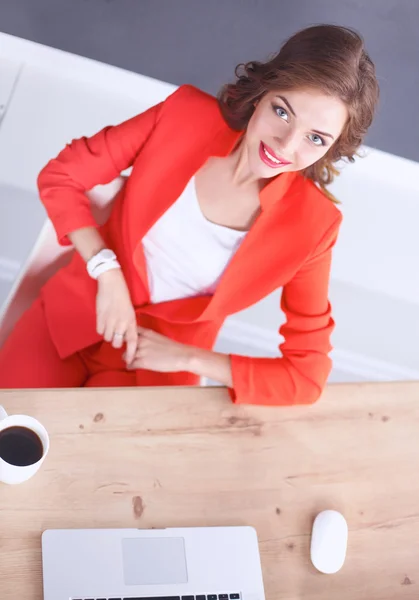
(185, 253)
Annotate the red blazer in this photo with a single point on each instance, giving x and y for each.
(289, 246)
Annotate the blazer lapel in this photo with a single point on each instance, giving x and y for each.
(264, 261)
(267, 259)
(151, 189)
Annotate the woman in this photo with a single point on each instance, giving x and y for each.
(227, 202)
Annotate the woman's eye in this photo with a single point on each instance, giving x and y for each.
(316, 139)
(281, 112)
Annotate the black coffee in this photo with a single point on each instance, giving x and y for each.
(20, 446)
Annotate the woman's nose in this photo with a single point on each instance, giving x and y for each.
(287, 145)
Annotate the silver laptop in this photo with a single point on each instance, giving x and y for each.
(220, 563)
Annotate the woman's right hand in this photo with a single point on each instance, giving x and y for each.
(115, 315)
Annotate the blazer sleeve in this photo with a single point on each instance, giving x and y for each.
(300, 374)
(87, 162)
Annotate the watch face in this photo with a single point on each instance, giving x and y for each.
(107, 254)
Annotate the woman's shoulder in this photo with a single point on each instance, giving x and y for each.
(320, 217)
(192, 105)
(316, 199)
(191, 115)
(192, 96)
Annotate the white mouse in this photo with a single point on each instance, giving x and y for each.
(329, 541)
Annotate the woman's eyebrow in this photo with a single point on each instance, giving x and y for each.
(285, 101)
(323, 133)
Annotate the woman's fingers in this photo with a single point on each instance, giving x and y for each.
(150, 334)
(140, 354)
(100, 324)
(137, 363)
(131, 339)
(119, 336)
(109, 330)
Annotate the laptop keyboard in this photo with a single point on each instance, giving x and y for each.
(199, 597)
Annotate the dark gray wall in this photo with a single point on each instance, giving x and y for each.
(201, 41)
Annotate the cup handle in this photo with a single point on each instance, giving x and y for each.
(3, 414)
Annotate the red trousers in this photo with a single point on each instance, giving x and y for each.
(29, 359)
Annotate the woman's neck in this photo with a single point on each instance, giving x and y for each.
(242, 175)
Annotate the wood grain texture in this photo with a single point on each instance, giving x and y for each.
(187, 457)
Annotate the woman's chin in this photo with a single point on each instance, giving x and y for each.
(270, 173)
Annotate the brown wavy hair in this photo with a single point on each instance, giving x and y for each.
(326, 57)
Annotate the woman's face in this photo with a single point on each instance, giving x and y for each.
(290, 130)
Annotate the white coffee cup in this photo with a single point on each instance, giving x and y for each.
(12, 473)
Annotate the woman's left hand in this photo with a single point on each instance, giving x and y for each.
(156, 352)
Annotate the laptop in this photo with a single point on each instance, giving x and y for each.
(211, 563)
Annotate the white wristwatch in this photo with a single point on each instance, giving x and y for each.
(103, 261)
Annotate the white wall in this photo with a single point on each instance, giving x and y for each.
(52, 97)
(17, 206)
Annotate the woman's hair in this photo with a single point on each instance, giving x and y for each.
(326, 57)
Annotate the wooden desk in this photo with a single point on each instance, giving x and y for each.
(186, 457)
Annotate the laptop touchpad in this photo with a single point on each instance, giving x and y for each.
(154, 561)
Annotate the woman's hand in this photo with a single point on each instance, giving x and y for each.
(156, 352)
(115, 315)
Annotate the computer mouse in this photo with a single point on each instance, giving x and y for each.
(329, 541)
